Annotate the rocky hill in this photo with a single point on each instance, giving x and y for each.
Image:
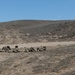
(23, 31)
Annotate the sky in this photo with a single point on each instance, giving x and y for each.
(37, 10)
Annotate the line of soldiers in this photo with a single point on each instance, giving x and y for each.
(31, 49)
(8, 49)
(16, 49)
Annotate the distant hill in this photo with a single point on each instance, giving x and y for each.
(24, 31)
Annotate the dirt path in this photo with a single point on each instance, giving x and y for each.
(40, 44)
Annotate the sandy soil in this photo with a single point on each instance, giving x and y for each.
(39, 44)
(57, 60)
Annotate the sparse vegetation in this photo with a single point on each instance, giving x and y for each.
(51, 60)
(54, 61)
(31, 31)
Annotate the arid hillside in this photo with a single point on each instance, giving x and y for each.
(23, 31)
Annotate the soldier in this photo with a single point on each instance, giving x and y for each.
(31, 49)
(38, 48)
(9, 47)
(41, 48)
(44, 48)
(16, 49)
(5, 49)
(26, 49)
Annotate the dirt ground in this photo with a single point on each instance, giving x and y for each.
(58, 59)
(37, 44)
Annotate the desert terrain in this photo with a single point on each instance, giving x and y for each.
(58, 59)
(28, 31)
(57, 36)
